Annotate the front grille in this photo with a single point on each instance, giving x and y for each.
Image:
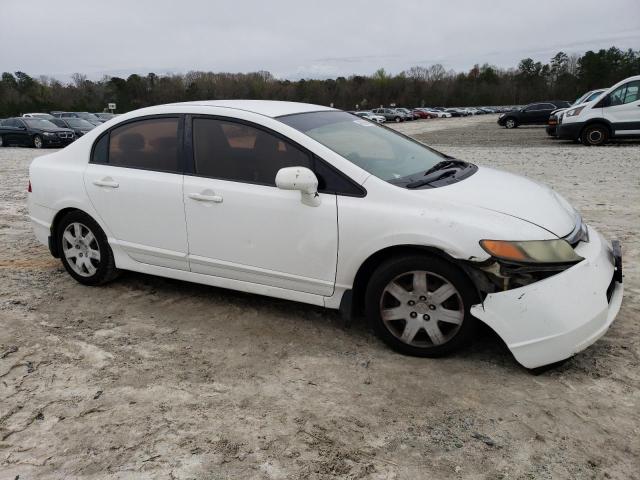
(65, 135)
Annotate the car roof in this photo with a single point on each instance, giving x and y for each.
(269, 108)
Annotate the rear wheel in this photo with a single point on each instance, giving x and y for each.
(419, 305)
(37, 141)
(595, 135)
(84, 249)
(510, 123)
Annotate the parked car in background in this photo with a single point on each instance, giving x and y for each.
(555, 115)
(437, 113)
(408, 114)
(418, 112)
(45, 116)
(360, 218)
(78, 125)
(457, 112)
(615, 113)
(390, 114)
(105, 116)
(532, 114)
(89, 117)
(370, 116)
(33, 132)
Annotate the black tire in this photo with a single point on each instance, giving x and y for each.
(37, 141)
(105, 268)
(594, 135)
(510, 122)
(2, 142)
(397, 119)
(394, 268)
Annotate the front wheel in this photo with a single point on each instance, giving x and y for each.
(595, 135)
(510, 123)
(397, 119)
(37, 141)
(2, 144)
(419, 305)
(84, 249)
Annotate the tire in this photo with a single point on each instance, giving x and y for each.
(511, 123)
(84, 250)
(397, 119)
(594, 135)
(37, 141)
(2, 144)
(415, 322)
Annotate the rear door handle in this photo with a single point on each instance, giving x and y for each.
(106, 182)
(200, 197)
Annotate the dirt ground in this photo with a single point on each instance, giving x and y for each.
(153, 378)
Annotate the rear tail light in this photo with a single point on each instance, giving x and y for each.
(29, 187)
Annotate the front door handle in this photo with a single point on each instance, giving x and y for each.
(200, 197)
(106, 182)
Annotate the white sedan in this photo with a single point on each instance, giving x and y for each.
(311, 204)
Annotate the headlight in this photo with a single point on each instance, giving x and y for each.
(49, 134)
(574, 112)
(531, 251)
(501, 115)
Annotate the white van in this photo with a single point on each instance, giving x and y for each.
(614, 114)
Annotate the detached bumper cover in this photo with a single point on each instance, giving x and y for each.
(553, 319)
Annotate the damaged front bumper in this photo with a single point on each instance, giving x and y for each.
(553, 319)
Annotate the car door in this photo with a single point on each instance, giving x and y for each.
(543, 112)
(240, 225)
(134, 182)
(10, 135)
(21, 133)
(622, 108)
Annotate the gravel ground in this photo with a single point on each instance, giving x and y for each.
(154, 378)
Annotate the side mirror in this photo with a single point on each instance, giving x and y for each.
(302, 179)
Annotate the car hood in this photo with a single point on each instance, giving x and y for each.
(515, 196)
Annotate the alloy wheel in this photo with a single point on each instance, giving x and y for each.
(37, 142)
(80, 248)
(422, 309)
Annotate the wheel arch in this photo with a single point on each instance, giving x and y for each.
(352, 302)
(54, 248)
(598, 121)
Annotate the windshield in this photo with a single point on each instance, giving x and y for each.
(87, 116)
(79, 123)
(378, 150)
(39, 123)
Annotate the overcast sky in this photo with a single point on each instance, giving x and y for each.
(301, 38)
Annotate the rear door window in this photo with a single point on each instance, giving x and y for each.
(150, 144)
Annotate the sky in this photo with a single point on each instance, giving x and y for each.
(301, 38)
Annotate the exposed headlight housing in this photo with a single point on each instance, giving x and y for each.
(574, 112)
(531, 251)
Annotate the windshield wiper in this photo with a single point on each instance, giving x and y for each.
(442, 169)
(431, 178)
(452, 162)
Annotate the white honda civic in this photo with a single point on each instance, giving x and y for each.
(316, 205)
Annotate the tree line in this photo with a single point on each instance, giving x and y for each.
(563, 77)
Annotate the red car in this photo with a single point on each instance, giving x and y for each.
(421, 113)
